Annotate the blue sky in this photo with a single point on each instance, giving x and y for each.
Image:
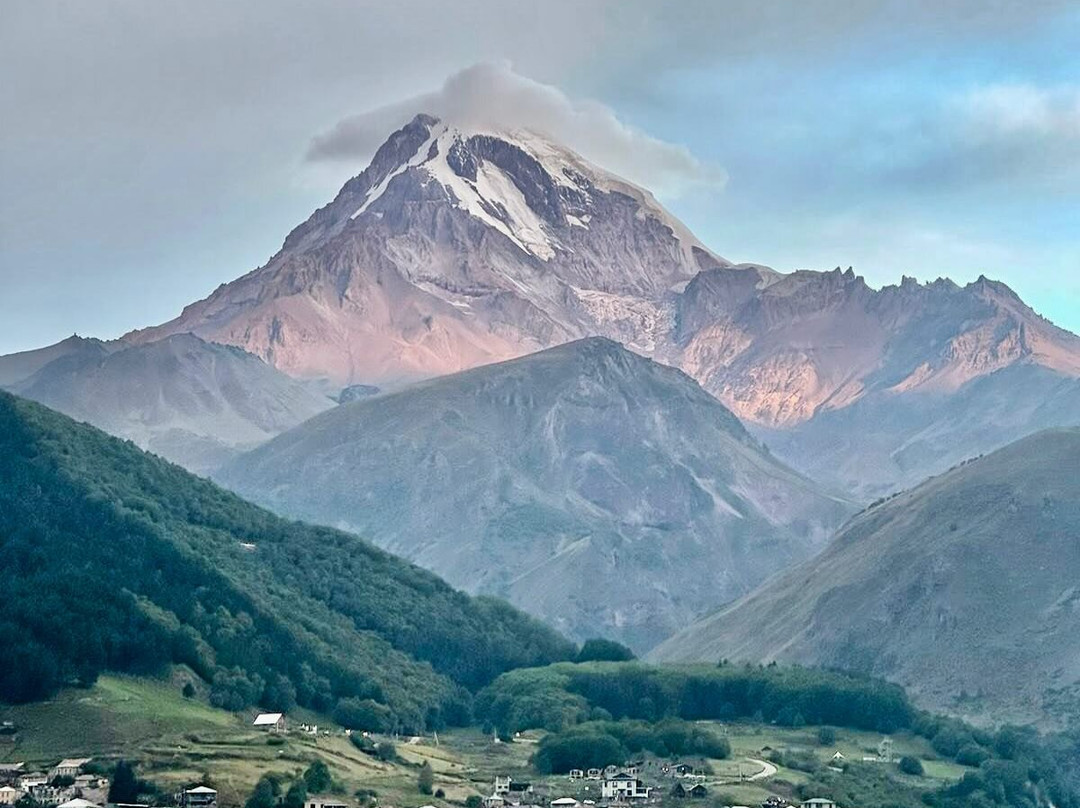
(153, 151)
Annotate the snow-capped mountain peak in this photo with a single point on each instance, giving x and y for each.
(519, 183)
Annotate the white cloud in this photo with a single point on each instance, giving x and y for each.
(493, 96)
(1009, 110)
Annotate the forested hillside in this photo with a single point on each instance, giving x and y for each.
(118, 560)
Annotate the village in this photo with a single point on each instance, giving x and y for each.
(84, 782)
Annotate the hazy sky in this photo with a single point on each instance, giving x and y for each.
(150, 151)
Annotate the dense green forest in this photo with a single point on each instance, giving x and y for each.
(602, 711)
(117, 560)
(562, 695)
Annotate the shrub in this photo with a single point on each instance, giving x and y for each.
(826, 736)
(601, 650)
(426, 779)
(972, 755)
(911, 765)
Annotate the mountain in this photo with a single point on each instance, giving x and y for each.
(17, 367)
(190, 401)
(872, 390)
(457, 248)
(592, 487)
(964, 590)
(115, 560)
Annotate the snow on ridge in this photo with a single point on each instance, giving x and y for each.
(492, 190)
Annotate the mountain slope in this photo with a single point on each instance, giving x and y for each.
(590, 486)
(187, 400)
(966, 585)
(457, 248)
(117, 560)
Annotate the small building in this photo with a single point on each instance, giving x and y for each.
(594, 774)
(818, 802)
(324, 803)
(69, 767)
(502, 784)
(54, 795)
(565, 802)
(838, 756)
(9, 795)
(199, 797)
(78, 802)
(682, 769)
(577, 774)
(270, 722)
(30, 780)
(623, 787)
(696, 792)
(494, 801)
(9, 771)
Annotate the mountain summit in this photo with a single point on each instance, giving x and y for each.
(453, 249)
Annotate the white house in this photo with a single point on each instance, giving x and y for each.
(577, 774)
(565, 802)
(623, 787)
(271, 722)
(502, 784)
(9, 795)
(69, 767)
(818, 802)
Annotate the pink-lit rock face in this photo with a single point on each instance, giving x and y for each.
(455, 249)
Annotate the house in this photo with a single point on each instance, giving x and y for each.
(611, 771)
(53, 795)
(271, 722)
(199, 797)
(520, 787)
(594, 774)
(885, 750)
(320, 803)
(818, 802)
(696, 791)
(682, 769)
(26, 782)
(577, 774)
(78, 803)
(565, 802)
(69, 767)
(10, 771)
(838, 756)
(494, 801)
(9, 795)
(502, 784)
(623, 787)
